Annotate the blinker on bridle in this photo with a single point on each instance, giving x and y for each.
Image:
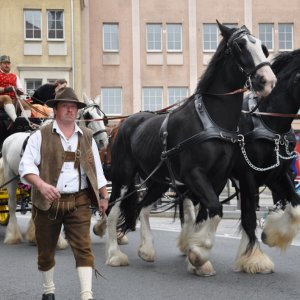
(232, 43)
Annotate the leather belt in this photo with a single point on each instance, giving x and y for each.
(76, 194)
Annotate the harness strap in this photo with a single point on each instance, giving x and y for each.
(262, 131)
(210, 131)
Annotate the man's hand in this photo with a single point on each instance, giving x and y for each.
(49, 192)
(103, 205)
(8, 89)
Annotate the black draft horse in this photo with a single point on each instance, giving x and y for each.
(196, 142)
(265, 159)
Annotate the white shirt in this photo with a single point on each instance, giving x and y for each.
(68, 180)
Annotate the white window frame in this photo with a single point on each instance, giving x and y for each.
(112, 97)
(157, 96)
(210, 40)
(111, 37)
(263, 35)
(173, 34)
(183, 91)
(156, 25)
(285, 41)
(48, 29)
(24, 14)
(26, 80)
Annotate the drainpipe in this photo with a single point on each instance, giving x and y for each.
(72, 44)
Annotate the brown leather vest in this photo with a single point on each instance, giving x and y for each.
(53, 157)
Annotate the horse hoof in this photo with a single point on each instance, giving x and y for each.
(117, 260)
(206, 270)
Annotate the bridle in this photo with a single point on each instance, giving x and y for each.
(232, 43)
(87, 122)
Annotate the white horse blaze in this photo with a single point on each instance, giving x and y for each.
(265, 71)
(281, 227)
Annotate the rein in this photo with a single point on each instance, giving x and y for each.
(295, 116)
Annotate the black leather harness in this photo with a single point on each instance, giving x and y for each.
(210, 131)
(262, 131)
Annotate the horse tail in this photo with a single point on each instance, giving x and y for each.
(1, 171)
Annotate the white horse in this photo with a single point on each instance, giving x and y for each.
(9, 165)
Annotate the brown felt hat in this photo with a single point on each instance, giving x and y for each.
(4, 58)
(66, 94)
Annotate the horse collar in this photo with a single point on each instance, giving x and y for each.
(262, 131)
(209, 125)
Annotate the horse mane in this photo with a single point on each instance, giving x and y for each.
(286, 63)
(208, 76)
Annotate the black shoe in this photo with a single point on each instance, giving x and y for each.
(48, 297)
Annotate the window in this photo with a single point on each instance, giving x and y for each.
(210, 37)
(176, 94)
(154, 38)
(55, 24)
(33, 24)
(174, 37)
(153, 98)
(111, 37)
(31, 85)
(266, 35)
(112, 101)
(285, 37)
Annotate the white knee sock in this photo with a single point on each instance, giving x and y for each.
(85, 278)
(11, 111)
(26, 113)
(48, 284)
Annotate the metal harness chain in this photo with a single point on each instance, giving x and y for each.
(291, 155)
(277, 142)
(242, 146)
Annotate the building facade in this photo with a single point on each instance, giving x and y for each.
(146, 55)
(43, 39)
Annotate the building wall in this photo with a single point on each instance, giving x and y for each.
(42, 59)
(132, 68)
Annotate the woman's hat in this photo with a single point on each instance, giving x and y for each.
(66, 94)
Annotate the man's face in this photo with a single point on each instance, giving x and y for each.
(66, 111)
(5, 66)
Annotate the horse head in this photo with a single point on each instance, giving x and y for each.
(250, 56)
(95, 120)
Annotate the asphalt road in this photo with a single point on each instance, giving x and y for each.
(167, 278)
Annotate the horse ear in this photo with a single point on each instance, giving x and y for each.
(245, 27)
(85, 98)
(97, 100)
(225, 31)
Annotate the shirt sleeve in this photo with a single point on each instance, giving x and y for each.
(31, 157)
(100, 175)
(19, 84)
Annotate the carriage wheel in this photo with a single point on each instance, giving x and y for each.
(4, 216)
